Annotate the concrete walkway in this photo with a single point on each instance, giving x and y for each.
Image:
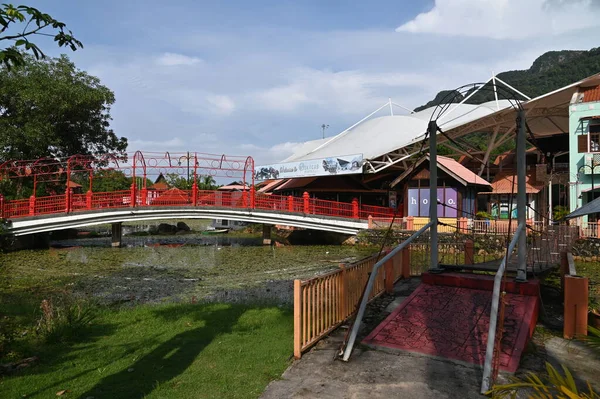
(373, 374)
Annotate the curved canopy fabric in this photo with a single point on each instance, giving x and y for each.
(378, 136)
(590, 208)
(390, 140)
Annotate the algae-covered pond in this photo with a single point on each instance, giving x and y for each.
(231, 269)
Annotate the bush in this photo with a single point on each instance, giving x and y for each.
(63, 319)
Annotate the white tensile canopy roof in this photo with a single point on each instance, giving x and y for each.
(388, 141)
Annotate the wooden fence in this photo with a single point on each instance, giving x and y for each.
(322, 303)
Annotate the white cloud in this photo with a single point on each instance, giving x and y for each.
(504, 19)
(350, 91)
(174, 59)
(272, 154)
(221, 104)
(171, 144)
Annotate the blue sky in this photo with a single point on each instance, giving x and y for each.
(254, 78)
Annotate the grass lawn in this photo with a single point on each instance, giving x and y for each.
(591, 270)
(161, 351)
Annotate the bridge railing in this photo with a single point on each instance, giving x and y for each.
(322, 303)
(249, 199)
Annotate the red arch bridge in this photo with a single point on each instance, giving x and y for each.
(82, 191)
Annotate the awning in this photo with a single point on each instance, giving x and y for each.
(588, 209)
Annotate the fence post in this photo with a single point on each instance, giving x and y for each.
(469, 252)
(355, 214)
(389, 276)
(88, 199)
(132, 194)
(1, 206)
(194, 193)
(370, 220)
(290, 203)
(344, 292)
(297, 319)
(406, 262)
(68, 200)
(252, 197)
(144, 194)
(306, 198)
(410, 223)
(32, 205)
(576, 306)
(462, 225)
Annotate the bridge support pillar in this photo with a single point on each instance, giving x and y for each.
(266, 234)
(117, 234)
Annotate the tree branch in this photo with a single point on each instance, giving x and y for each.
(14, 37)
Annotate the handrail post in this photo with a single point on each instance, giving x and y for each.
(1, 206)
(369, 287)
(32, 205)
(491, 340)
(521, 198)
(297, 319)
(433, 202)
(290, 203)
(144, 195)
(194, 193)
(88, 199)
(355, 213)
(306, 198)
(132, 194)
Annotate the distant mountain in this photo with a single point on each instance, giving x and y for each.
(550, 71)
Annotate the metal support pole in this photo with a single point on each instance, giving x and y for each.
(433, 203)
(486, 382)
(370, 283)
(521, 198)
(550, 202)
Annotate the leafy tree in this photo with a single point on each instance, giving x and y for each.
(108, 180)
(21, 23)
(180, 182)
(51, 108)
(207, 183)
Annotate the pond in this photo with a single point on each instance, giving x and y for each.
(194, 267)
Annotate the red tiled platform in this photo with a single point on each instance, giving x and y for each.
(448, 316)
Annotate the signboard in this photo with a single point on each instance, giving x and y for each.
(418, 202)
(342, 165)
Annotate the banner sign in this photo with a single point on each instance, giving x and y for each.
(342, 165)
(418, 202)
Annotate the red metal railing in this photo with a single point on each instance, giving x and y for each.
(69, 202)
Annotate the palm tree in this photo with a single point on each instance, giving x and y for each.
(207, 183)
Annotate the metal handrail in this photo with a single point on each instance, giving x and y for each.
(489, 352)
(372, 277)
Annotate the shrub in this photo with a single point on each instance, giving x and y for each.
(64, 318)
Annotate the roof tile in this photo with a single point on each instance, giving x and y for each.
(591, 94)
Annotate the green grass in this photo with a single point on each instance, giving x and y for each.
(162, 351)
(591, 270)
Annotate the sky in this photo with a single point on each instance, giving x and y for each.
(256, 78)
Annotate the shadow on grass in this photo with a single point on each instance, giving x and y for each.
(171, 358)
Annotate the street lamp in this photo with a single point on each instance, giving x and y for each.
(592, 167)
(187, 157)
(323, 127)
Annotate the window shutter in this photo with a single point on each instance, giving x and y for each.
(582, 143)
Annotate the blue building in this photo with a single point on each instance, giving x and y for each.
(584, 147)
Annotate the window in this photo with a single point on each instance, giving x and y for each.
(589, 142)
(595, 137)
